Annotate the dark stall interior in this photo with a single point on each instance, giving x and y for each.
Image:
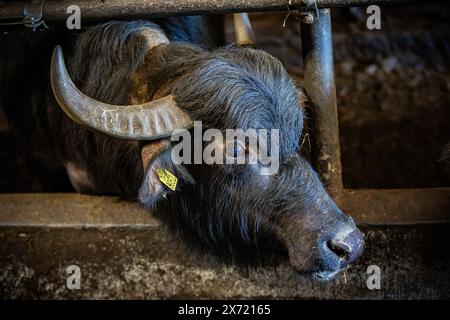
(392, 91)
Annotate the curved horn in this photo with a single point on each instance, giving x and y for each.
(148, 121)
(243, 30)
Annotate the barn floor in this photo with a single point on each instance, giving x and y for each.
(393, 89)
(123, 252)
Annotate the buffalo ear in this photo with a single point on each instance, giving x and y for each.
(156, 156)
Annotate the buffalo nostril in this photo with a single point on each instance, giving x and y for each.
(341, 252)
(348, 247)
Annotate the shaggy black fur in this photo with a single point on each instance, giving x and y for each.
(231, 210)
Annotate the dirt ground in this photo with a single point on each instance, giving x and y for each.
(393, 97)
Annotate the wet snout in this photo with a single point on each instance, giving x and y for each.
(340, 246)
(320, 239)
(325, 251)
(344, 247)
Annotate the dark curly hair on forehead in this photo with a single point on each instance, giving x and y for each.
(231, 88)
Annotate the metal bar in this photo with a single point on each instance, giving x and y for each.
(142, 9)
(312, 4)
(366, 206)
(397, 206)
(319, 84)
(71, 210)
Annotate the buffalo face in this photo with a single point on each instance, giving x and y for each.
(230, 206)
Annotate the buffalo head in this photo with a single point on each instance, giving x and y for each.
(227, 206)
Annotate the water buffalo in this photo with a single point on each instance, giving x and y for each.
(108, 118)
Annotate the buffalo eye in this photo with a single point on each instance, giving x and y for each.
(235, 149)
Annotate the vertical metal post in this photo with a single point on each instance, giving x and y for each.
(317, 44)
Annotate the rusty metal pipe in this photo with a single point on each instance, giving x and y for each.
(319, 84)
(397, 206)
(144, 9)
(366, 206)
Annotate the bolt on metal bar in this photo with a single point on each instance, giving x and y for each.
(145, 9)
(319, 84)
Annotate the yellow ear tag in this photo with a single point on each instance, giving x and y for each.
(167, 178)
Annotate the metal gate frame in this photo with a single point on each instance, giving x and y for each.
(368, 206)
